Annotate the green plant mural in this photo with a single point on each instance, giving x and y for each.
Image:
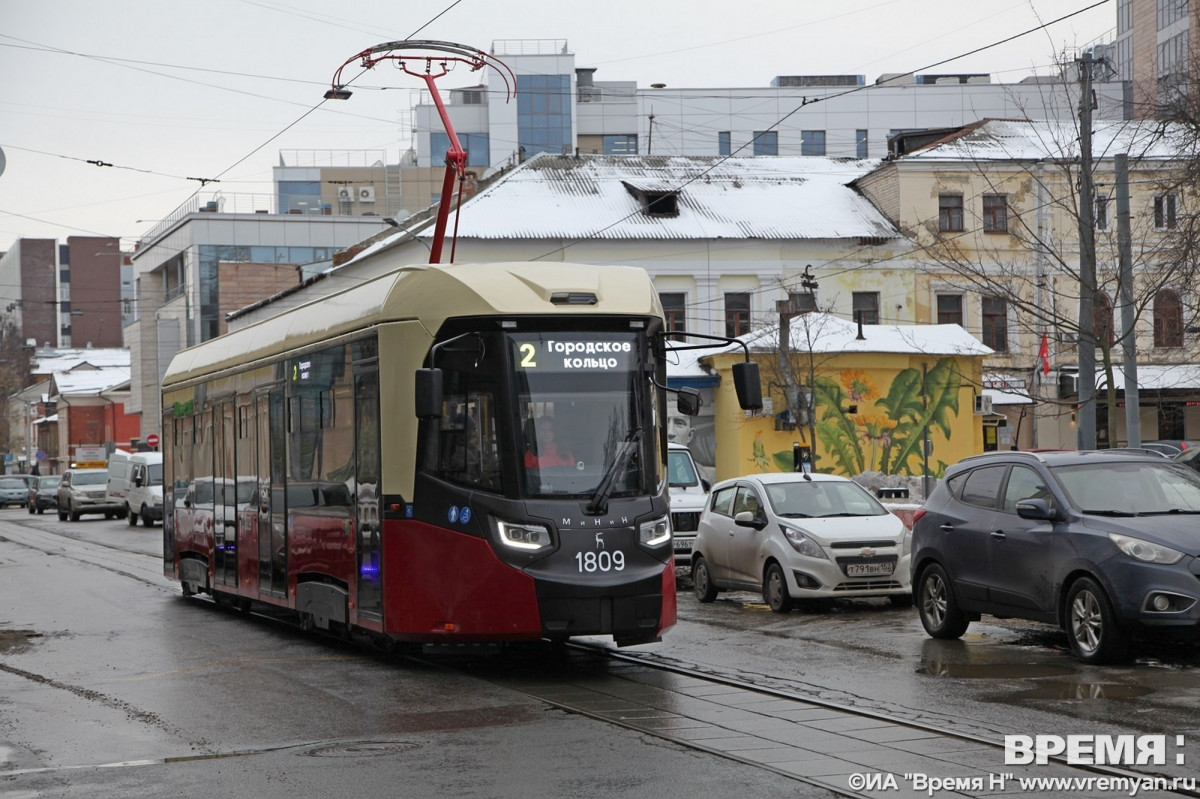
(885, 430)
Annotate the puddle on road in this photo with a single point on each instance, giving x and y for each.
(1082, 690)
(992, 671)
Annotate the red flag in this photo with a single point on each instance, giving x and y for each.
(1044, 354)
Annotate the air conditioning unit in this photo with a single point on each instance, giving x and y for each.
(345, 195)
(366, 194)
(983, 405)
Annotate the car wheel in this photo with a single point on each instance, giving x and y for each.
(74, 514)
(146, 521)
(702, 584)
(131, 516)
(41, 510)
(775, 590)
(938, 609)
(1092, 626)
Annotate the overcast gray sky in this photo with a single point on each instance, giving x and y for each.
(166, 90)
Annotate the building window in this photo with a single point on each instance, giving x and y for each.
(860, 143)
(1164, 212)
(950, 213)
(1168, 319)
(1171, 420)
(544, 114)
(866, 307)
(674, 305)
(766, 142)
(724, 143)
(950, 309)
(737, 313)
(621, 144)
(995, 213)
(1102, 213)
(812, 142)
(476, 145)
(995, 323)
(802, 301)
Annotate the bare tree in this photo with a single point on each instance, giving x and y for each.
(14, 373)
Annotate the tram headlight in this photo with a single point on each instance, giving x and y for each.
(655, 532)
(529, 537)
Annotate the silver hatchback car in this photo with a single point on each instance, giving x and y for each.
(800, 536)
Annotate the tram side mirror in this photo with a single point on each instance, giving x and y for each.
(687, 401)
(747, 385)
(429, 394)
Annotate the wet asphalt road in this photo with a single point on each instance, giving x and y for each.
(102, 662)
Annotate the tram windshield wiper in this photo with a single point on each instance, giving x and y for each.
(599, 503)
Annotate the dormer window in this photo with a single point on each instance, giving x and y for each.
(656, 201)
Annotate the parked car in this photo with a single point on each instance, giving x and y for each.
(13, 491)
(1171, 447)
(688, 494)
(84, 491)
(1189, 457)
(799, 536)
(44, 493)
(1103, 543)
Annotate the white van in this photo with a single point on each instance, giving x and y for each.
(688, 494)
(135, 482)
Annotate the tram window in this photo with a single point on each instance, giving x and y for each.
(467, 448)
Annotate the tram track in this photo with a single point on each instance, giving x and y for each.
(794, 734)
(785, 731)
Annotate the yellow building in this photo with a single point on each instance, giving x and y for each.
(877, 396)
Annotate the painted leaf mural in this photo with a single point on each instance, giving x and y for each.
(885, 431)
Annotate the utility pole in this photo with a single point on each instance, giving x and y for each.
(1133, 421)
(1085, 437)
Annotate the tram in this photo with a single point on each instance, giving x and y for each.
(378, 461)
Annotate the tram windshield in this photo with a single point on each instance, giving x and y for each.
(579, 400)
(562, 414)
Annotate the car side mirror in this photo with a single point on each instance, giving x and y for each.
(1037, 509)
(748, 519)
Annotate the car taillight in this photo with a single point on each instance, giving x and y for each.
(917, 514)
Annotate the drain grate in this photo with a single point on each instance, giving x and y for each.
(363, 749)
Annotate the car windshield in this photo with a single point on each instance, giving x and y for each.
(11, 483)
(90, 478)
(817, 498)
(1132, 488)
(679, 469)
(49, 482)
(155, 472)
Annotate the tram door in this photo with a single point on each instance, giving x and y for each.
(225, 533)
(370, 546)
(272, 516)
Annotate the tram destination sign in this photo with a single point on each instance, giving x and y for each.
(600, 353)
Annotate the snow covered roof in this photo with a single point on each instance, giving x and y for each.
(1007, 140)
(62, 360)
(825, 333)
(606, 197)
(91, 381)
(1157, 377)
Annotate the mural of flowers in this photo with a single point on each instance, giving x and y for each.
(887, 440)
(859, 386)
(876, 432)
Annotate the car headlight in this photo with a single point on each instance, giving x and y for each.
(655, 532)
(802, 542)
(1145, 551)
(523, 536)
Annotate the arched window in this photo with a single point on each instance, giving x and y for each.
(1102, 310)
(1168, 319)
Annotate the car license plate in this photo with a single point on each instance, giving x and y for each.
(869, 569)
(683, 545)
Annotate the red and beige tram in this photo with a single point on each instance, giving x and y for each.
(377, 460)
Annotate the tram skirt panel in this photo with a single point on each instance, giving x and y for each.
(440, 584)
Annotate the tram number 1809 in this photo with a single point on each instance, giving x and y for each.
(602, 561)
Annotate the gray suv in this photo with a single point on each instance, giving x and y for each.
(85, 491)
(1103, 543)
